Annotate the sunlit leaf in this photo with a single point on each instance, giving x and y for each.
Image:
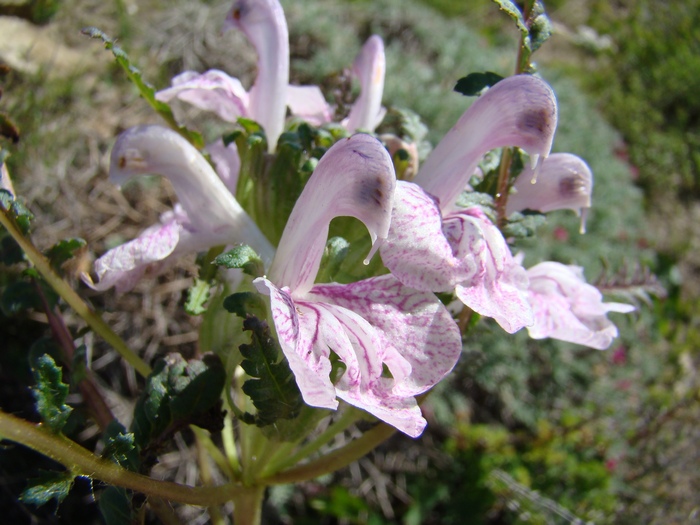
(50, 393)
(243, 257)
(197, 296)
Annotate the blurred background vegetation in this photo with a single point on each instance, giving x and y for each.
(524, 431)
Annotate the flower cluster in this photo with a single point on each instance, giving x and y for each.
(381, 340)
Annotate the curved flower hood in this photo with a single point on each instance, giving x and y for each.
(370, 68)
(207, 215)
(264, 24)
(564, 182)
(360, 322)
(433, 244)
(517, 111)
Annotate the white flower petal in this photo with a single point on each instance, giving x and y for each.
(354, 178)
(518, 111)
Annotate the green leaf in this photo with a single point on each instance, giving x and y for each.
(474, 83)
(467, 199)
(534, 30)
(513, 11)
(20, 296)
(48, 486)
(6, 199)
(178, 393)
(272, 389)
(250, 126)
(116, 507)
(63, 251)
(244, 304)
(10, 252)
(147, 91)
(524, 224)
(243, 257)
(152, 413)
(195, 387)
(16, 210)
(120, 446)
(50, 393)
(540, 31)
(22, 215)
(197, 296)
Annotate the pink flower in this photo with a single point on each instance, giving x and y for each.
(393, 342)
(207, 214)
(264, 24)
(435, 245)
(569, 309)
(370, 68)
(564, 181)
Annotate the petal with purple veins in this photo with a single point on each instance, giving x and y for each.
(417, 251)
(498, 289)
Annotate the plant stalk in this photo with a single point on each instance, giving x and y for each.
(69, 295)
(335, 460)
(82, 462)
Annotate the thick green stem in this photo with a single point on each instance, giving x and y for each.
(350, 416)
(69, 295)
(82, 462)
(335, 460)
(522, 65)
(205, 471)
(247, 505)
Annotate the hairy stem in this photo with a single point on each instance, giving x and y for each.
(82, 462)
(69, 295)
(502, 188)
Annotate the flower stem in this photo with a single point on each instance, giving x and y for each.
(502, 188)
(247, 505)
(344, 421)
(69, 295)
(335, 460)
(82, 462)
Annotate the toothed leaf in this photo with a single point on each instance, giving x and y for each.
(50, 393)
(197, 296)
(272, 389)
(63, 251)
(243, 257)
(244, 304)
(120, 446)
